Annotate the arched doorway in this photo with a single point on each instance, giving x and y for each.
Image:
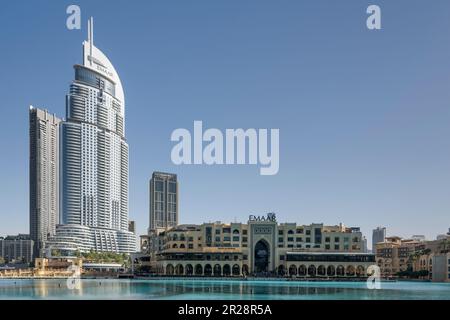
(217, 270)
(281, 271)
(208, 270)
(321, 270)
(189, 269)
(292, 270)
(360, 271)
(169, 270)
(198, 270)
(245, 270)
(302, 270)
(179, 270)
(312, 271)
(331, 271)
(236, 270)
(350, 272)
(226, 270)
(261, 256)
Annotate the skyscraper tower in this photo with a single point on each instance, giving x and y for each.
(163, 202)
(378, 235)
(94, 159)
(44, 177)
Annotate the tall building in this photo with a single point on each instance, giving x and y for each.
(378, 235)
(44, 176)
(132, 226)
(94, 159)
(364, 240)
(163, 202)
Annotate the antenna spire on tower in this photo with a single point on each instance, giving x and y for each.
(90, 37)
(89, 31)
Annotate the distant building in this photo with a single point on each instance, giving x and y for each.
(394, 254)
(443, 236)
(58, 263)
(144, 244)
(418, 237)
(132, 226)
(17, 249)
(163, 210)
(365, 248)
(378, 235)
(44, 177)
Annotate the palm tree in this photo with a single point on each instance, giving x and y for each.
(413, 257)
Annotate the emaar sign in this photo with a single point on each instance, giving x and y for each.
(270, 217)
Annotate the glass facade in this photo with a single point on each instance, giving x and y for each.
(348, 257)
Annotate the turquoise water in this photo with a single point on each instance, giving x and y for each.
(219, 289)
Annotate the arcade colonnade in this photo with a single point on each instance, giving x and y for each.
(204, 268)
(237, 268)
(323, 269)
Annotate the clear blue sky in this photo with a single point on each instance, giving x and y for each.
(364, 116)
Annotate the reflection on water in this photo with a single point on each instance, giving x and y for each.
(206, 289)
(246, 289)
